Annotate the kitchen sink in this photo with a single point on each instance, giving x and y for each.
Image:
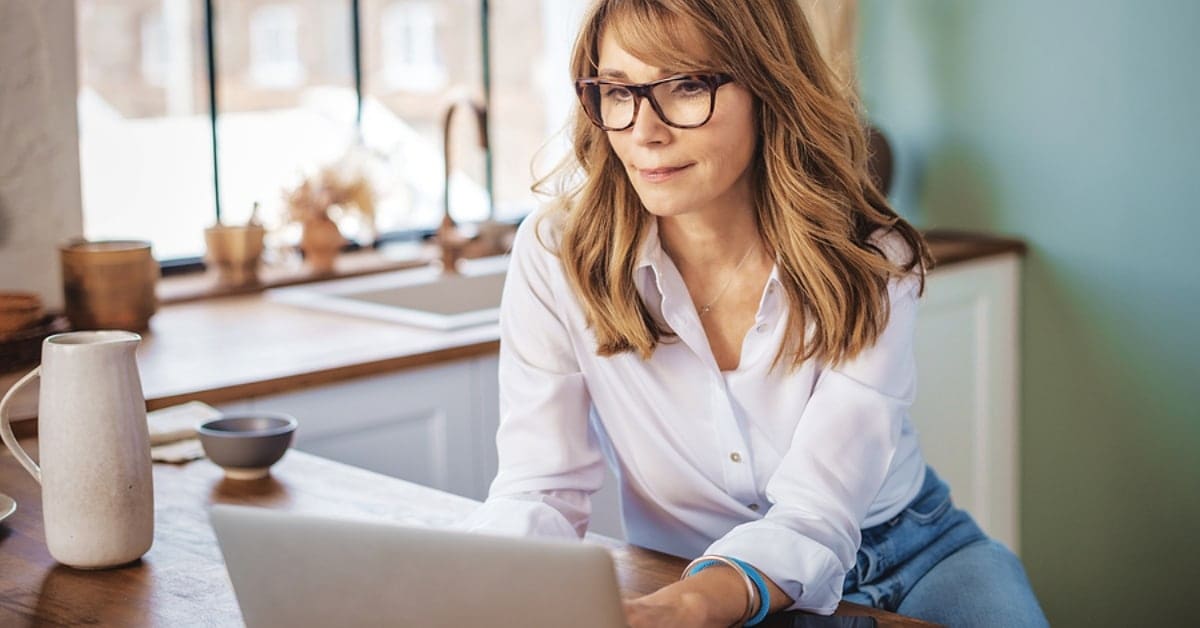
(422, 297)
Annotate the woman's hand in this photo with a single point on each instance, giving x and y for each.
(713, 598)
(672, 606)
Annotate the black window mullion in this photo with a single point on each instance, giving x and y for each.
(356, 35)
(211, 59)
(486, 48)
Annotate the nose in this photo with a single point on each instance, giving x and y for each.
(647, 127)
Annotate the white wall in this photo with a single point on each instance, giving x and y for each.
(39, 144)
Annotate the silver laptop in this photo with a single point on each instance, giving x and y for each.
(302, 570)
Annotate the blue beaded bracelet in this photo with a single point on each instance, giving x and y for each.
(764, 594)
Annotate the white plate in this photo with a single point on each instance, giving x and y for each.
(8, 506)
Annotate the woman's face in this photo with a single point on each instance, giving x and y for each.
(705, 170)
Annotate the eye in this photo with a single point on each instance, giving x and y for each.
(616, 93)
(689, 87)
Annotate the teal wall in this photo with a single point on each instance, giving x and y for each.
(1073, 124)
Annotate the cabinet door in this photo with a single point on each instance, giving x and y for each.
(417, 425)
(966, 407)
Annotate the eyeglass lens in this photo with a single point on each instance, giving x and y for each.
(682, 102)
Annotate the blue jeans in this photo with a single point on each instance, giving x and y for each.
(933, 562)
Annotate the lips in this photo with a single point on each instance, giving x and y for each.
(658, 175)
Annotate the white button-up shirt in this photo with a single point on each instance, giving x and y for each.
(780, 469)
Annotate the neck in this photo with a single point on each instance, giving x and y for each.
(702, 242)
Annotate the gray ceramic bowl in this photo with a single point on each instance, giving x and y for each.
(247, 444)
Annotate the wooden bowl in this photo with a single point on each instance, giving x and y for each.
(19, 310)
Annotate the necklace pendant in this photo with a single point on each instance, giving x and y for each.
(705, 310)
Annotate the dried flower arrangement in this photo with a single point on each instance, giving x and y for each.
(319, 202)
(330, 193)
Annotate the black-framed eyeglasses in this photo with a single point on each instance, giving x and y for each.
(684, 101)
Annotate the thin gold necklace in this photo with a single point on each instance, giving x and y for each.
(733, 275)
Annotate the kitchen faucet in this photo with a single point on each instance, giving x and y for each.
(452, 242)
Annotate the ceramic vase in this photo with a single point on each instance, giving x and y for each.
(320, 242)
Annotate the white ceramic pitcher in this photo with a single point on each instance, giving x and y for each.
(94, 448)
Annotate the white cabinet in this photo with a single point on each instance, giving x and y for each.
(486, 394)
(967, 400)
(423, 424)
(432, 425)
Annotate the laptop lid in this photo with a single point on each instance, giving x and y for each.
(303, 570)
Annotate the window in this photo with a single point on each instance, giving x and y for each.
(411, 59)
(154, 49)
(276, 121)
(532, 96)
(274, 47)
(144, 145)
(297, 85)
(442, 43)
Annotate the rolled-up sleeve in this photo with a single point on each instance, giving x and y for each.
(835, 466)
(549, 461)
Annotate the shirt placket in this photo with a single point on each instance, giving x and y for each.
(733, 428)
(742, 482)
(730, 432)
(732, 450)
(735, 456)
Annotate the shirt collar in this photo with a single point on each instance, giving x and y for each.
(649, 271)
(650, 253)
(652, 256)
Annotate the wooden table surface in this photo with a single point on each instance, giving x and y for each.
(181, 581)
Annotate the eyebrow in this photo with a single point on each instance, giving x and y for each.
(618, 74)
(606, 73)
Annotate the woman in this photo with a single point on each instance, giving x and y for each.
(723, 307)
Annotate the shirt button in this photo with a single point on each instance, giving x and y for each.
(735, 456)
(753, 507)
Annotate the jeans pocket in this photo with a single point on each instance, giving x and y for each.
(928, 508)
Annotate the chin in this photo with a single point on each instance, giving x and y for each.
(663, 207)
(665, 211)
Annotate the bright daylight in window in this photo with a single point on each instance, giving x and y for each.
(286, 107)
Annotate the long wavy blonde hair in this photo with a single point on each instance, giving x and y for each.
(816, 204)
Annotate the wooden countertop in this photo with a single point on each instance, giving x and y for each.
(234, 347)
(951, 246)
(181, 581)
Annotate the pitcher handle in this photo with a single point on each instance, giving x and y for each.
(6, 433)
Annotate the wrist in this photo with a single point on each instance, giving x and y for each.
(719, 595)
(758, 588)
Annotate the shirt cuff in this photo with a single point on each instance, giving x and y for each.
(807, 571)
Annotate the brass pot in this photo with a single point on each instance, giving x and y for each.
(234, 251)
(109, 284)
